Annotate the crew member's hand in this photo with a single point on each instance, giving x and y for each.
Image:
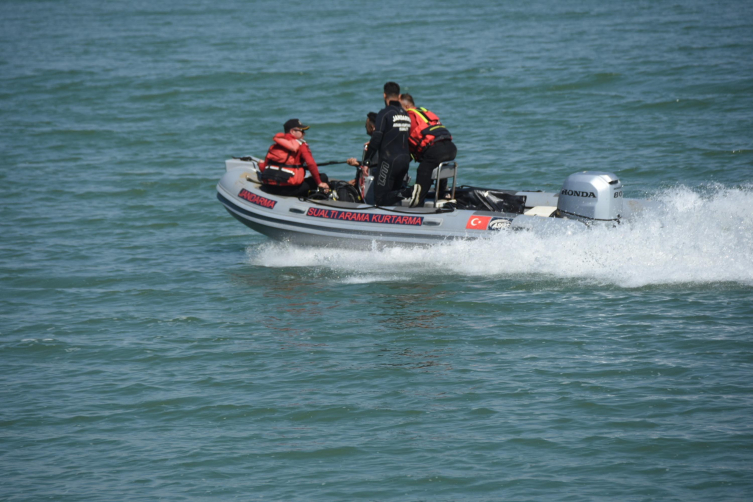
(353, 162)
(352, 183)
(324, 187)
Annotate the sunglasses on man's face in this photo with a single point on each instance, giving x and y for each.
(300, 131)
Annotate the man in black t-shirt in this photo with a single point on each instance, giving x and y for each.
(389, 144)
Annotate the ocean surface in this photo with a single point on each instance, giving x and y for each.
(152, 348)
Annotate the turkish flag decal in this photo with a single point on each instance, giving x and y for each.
(478, 222)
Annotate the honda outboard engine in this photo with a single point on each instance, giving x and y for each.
(591, 196)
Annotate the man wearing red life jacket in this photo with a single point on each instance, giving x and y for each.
(430, 145)
(284, 168)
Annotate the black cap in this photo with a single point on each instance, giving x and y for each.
(290, 124)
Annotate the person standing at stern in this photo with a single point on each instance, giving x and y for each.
(430, 145)
(388, 153)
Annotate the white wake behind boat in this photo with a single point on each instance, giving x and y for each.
(585, 198)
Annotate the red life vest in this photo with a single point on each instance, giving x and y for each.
(425, 130)
(282, 165)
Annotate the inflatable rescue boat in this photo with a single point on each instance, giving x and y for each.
(585, 198)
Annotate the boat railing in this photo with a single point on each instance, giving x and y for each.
(443, 171)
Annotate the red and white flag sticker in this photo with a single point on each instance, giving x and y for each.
(478, 222)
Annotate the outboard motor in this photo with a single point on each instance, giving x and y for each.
(591, 196)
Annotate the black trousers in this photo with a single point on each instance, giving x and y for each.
(302, 190)
(388, 181)
(444, 151)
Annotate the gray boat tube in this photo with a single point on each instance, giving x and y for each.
(356, 225)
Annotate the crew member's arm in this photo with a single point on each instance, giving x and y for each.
(382, 125)
(311, 165)
(414, 136)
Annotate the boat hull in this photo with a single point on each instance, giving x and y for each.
(338, 224)
(343, 224)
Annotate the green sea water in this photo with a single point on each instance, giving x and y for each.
(152, 348)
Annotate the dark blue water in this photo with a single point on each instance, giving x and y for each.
(153, 348)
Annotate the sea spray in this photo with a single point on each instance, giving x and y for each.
(700, 235)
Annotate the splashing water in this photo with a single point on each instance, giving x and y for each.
(693, 236)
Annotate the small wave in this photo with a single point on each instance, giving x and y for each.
(727, 153)
(702, 235)
(367, 279)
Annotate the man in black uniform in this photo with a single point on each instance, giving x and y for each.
(389, 144)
